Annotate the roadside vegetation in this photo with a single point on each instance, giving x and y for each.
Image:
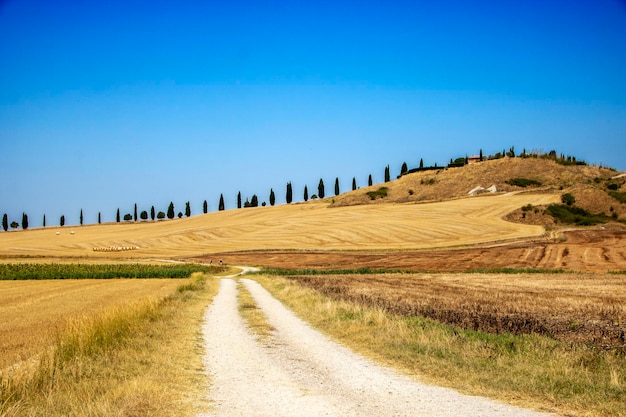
(527, 369)
(144, 358)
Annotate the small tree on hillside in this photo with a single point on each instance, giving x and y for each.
(272, 197)
(81, 217)
(44, 220)
(135, 212)
(117, 216)
(221, 205)
(404, 169)
(144, 215)
(128, 217)
(152, 213)
(337, 186)
(24, 221)
(289, 195)
(99, 218)
(320, 189)
(170, 211)
(205, 207)
(62, 221)
(387, 174)
(5, 222)
(369, 181)
(187, 209)
(481, 155)
(254, 202)
(160, 215)
(239, 199)
(306, 193)
(14, 225)
(353, 183)
(568, 199)
(421, 163)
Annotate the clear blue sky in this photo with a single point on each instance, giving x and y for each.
(104, 104)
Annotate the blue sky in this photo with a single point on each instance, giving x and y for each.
(108, 104)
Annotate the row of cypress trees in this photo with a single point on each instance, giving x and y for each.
(171, 213)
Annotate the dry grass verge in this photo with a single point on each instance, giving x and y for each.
(137, 360)
(527, 370)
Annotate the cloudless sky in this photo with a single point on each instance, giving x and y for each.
(108, 104)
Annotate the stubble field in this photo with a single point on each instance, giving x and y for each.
(34, 312)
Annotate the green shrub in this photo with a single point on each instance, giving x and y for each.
(575, 215)
(619, 196)
(612, 186)
(568, 199)
(523, 182)
(381, 192)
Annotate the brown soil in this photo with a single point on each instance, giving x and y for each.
(588, 250)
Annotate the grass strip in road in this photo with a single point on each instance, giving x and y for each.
(527, 370)
(138, 360)
(252, 314)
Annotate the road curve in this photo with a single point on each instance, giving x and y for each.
(301, 372)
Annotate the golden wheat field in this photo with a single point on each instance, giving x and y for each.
(314, 225)
(34, 311)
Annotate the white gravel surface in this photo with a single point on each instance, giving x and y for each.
(303, 373)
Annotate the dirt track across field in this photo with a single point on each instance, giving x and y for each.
(591, 250)
(301, 372)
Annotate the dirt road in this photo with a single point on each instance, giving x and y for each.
(301, 372)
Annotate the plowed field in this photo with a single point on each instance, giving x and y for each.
(590, 250)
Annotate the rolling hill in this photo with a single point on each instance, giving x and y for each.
(417, 214)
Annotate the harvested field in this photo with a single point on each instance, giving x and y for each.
(576, 308)
(33, 311)
(311, 226)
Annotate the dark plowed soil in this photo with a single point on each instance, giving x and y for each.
(592, 250)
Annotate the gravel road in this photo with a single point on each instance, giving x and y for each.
(300, 372)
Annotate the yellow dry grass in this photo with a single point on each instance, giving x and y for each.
(34, 311)
(313, 225)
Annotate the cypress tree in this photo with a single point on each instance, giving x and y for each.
(152, 215)
(369, 181)
(170, 211)
(306, 193)
(44, 220)
(187, 209)
(421, 163)
(24, 221)
(404, 169)
(62, 221)
(221, 206)
(5, 222)
(481, 155)
(353, 183)
(81, 217)
(387, 174)
(99, 218)
(135, 213)
(289, 193)
(320, 189)
(239, 199)
(337, 186)
(117, 216)
(255, 201)
(205, 207)
(272, 197)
